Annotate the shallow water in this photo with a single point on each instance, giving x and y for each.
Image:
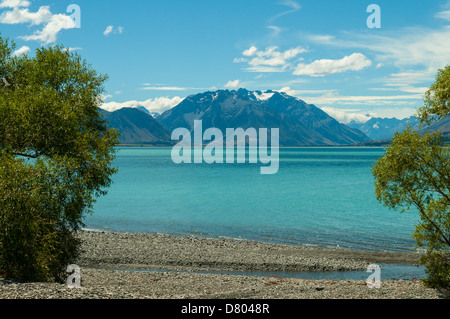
(387, 272)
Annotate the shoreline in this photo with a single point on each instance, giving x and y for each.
(203, 235)
(156, 251)
(161, 266)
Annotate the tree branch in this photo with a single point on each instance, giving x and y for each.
(430, 178)
(422, 212)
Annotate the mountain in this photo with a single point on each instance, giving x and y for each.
(143, 109)
(299, 123)
(137, 127)
(383, 128)
(443, 126)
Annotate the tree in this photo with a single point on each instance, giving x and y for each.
(437, 98)
(415, 173)
(56, 156)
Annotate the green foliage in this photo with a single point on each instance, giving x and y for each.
(438, 269)
(437, 98)
(56, 156)
(415, 173)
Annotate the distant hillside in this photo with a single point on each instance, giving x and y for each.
(384, 128)
(299, 123)
(442, 126)
(137, 127)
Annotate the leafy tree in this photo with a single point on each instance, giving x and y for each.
(437, 98)
(415, 173)
(56, 156)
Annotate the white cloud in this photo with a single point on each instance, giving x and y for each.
(14, 3)
(18, 16)
(269, 60)
(380, 106)
(233, 84)
(75, 49)
(50, 32)
(346, 115)
(417, 52)
(23, 50)
(333, 98)
(409, 77)
(266, 69)
(299, 93)
(288, 91)
(240, 60)
(158, 105)
(275, 30)
(108, 30)
(272, 57)
(294, 7)
(402, 88)
(53, 23)
(321, 38)
(416, 47)
(354, 62)
(444, 15)
(105, 97)
(360, 116)
(399, 106)
(112, 30)
(250, 52)
(400, 113)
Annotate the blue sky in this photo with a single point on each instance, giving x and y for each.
(158, 52)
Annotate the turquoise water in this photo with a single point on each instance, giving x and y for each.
(320, 196)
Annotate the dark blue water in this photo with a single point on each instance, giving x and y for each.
(320, 196)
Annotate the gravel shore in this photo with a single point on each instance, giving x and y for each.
(158, 266)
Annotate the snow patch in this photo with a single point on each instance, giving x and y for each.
(263, 96)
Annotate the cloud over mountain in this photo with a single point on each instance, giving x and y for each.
(156, 105)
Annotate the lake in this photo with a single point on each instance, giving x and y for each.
(320, 196)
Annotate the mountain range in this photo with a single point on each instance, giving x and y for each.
(384, 128)
(443, 126)
(299, 123)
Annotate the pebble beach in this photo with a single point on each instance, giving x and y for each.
(160, 266)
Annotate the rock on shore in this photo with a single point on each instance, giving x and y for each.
(105, 255)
